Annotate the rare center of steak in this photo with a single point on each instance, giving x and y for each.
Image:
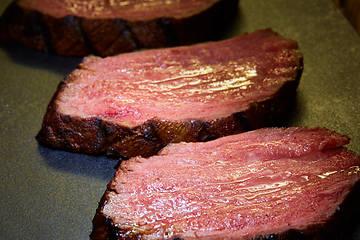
(247, 186)
(139, 10)
(206, 81)
(191, 93)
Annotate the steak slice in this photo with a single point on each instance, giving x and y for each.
(275, 183)
(81, 27)
(136, 103)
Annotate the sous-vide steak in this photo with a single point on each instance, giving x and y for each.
(273, 183)
(81, 27)
(136, 103)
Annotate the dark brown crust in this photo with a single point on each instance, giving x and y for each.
(96, 136)
(80, 36)
(340, 226)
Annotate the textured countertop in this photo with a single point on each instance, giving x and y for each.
(50, 194)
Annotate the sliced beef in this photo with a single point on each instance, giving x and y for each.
(79, 27)
(275, 183)
(136, 103)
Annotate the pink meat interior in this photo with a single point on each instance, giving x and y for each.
(134, 10)
(261, 182)
(204, 81)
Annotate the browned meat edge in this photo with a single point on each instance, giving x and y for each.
(80, 36)
(96, 136)
(340, 226)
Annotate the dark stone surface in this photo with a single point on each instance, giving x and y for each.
(48, 194)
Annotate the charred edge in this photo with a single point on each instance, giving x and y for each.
(243, 121)
(268, 237)
(289, 235)
(103, 132)
(345, 220)
(126, 33)
(202, 26)
(99, 44)
(205, 134)
(6, 21)
(142, 141)
(105, 229)
(177, 131)
(129, 34)
(263, 113)
(220, 127)
(156, 134)
(112, 230)
(145, 140)
(121, 27)
(210, 24)
(59, 131)
(103, 226)
(79, 47)
(100, 231)
(111, 139)
(49, 46)
(37, 27)
(37, 33)
(88, 44)
(167, 26)
(25, 27)
(96, 136)
(149, 138)
(44, 136)
(148, 130)
(275, 111)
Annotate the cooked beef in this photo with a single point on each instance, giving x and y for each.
(136, 103)
(275, 183)
(79, 27)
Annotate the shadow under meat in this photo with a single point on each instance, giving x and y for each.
(234, 25)
(93, 166)
(40, 60)
(294, 113)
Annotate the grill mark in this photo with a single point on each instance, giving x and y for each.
(126, 33)
(46, 35)
(69, 25)
(85, 37)
(112, 43)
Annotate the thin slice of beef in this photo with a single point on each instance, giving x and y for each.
(275, 183)
(79, 27)
(136, 103)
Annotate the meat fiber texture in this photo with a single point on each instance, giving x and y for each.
(136, 103)
(82, 27)
(274, 183)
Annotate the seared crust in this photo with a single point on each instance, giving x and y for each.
(80, 36)
(340, 226)
(97, 136)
